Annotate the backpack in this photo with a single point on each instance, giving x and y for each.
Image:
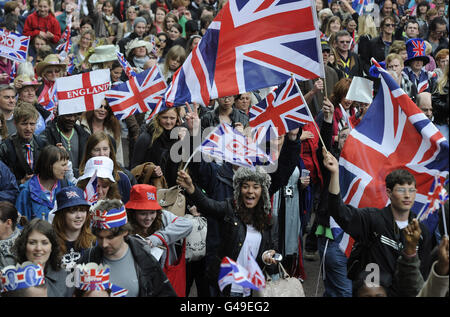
(143, 174)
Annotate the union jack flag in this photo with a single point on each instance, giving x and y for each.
(66, 45)
(232, 58)
(358, 6)
(435, 198)
(233, 273)
(49, 100)
(13, 74)
(140, 93)
(72, 194)
(282, 110)
(17, 48)
(94, 279)
(227, 144)
(107, 219)
(125, 65)
(90, 192)
(117, 291)
(393, 134)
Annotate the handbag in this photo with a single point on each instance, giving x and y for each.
(176, 272)
(172, 199)
(285, 286)
(196, 240)
(143, 174)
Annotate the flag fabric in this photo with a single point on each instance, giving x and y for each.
(393, 134)
(233, 273)
(231, 58)
(141, 93)
(422, 83)
(256, 276)
(66, 45)
(225, 143)
(125, 65)
(13, 74)
(358, 6)
(83, 92)
(435, 198)
(90, 192)
(345, 241)
(346, 117)
(14, 46)
(49, 100)
(70, 66)
(282, 110)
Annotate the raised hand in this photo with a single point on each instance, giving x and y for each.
(185, 181)
(442, 263)
(412, 234)
(192, 119)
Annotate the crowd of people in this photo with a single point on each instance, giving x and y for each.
(49, 230)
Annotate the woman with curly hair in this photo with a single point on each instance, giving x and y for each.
(38, 243)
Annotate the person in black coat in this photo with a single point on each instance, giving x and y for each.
(244, 218)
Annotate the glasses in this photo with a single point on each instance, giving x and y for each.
(344, 42)
(54, 71)
(389, 25)
(162, 41)
(403, 191)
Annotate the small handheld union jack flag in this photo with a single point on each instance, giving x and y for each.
(125, 65)
(13, 74)
(435, 198)
(67, 44)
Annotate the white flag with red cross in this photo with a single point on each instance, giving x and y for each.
(83, 92)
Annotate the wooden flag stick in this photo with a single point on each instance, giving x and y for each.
(309, 113)
(443, 220)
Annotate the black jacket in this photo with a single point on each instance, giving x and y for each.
(233, 232)
(376, 49)
(377, 235)
(211, 118)
(152, 280)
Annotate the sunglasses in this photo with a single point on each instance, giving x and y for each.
(346, 42)
(162, 41)
(389, 24)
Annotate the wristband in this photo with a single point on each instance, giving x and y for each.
(410, 255)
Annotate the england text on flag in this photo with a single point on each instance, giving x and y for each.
(227, 144)
(281, 111)
(393, 134)
(141, 93)
(233, 58)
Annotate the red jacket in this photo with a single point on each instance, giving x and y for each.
(35, 24)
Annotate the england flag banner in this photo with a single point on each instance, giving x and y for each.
(14, 46)
(250, 45)
(83, 92)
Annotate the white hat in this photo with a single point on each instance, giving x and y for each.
(137, 43)
(103, 53)
(361, 90)
(102, 164)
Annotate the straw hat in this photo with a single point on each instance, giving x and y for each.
(138, 43)
(103, 53)
(26, 81)
(50, 60)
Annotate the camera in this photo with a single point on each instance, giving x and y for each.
(288, 192)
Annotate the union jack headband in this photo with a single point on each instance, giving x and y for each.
(20, 276)
(93, 277)
(107, 219)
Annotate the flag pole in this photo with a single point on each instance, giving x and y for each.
(190, 159)
(309, 112)
(443, 220)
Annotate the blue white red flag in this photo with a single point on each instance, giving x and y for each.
(66, 45)
(393, 134)
(233, 273)
(421, 82)
(225, 143)
(435, 199)
(141, 93)
(14, 46)
(49, 100)
(281, 111)
(90, 192)
(358, 6)
(13, 74)
(232, 58)
(125, 65)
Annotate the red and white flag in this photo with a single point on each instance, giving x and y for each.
(83, 92)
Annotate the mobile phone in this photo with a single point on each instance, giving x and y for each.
(277, 257)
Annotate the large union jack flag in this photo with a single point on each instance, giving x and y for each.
(282, 110)
(393, 134)
(250, 45)
(141, 93)
(225, 143)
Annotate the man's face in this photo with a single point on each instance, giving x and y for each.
(343, 43)
(109, 243)
(395, 65)
(412, 30)
(426, 105)
(402, 196)
(416, 65)
(440, 31)
(325, 55)
(26, 128)
(7, 100)
(67, 122)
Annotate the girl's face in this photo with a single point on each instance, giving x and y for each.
(38, 43)
(319, 5)
(102, 188)
(86, 27)
(101, 113)
(28, 94)
(174, 64)
(140, 51)
(131, 14)
(101, 149)
(168, 120)
(169, 23)
(335, 26)
(60, 168)
(162, 41)
(116, 73)
(86, 40)
(38, 248)
(145, 218)
(107, 8)
(250, 193)
(443, 62)
(160, 15)
(346, 103)
(43, 8)
(351, 26)
(174, 33)
(75, 219)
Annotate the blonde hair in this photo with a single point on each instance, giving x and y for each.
(157, 128)
(442, 81)
(367, 26)
(393, 56)
(50, 4)
(428, 48)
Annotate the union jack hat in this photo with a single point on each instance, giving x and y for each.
(25, 275)
(143, 197)
(70, 196)
(95, 277)
(107, 219)
(415, 48)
